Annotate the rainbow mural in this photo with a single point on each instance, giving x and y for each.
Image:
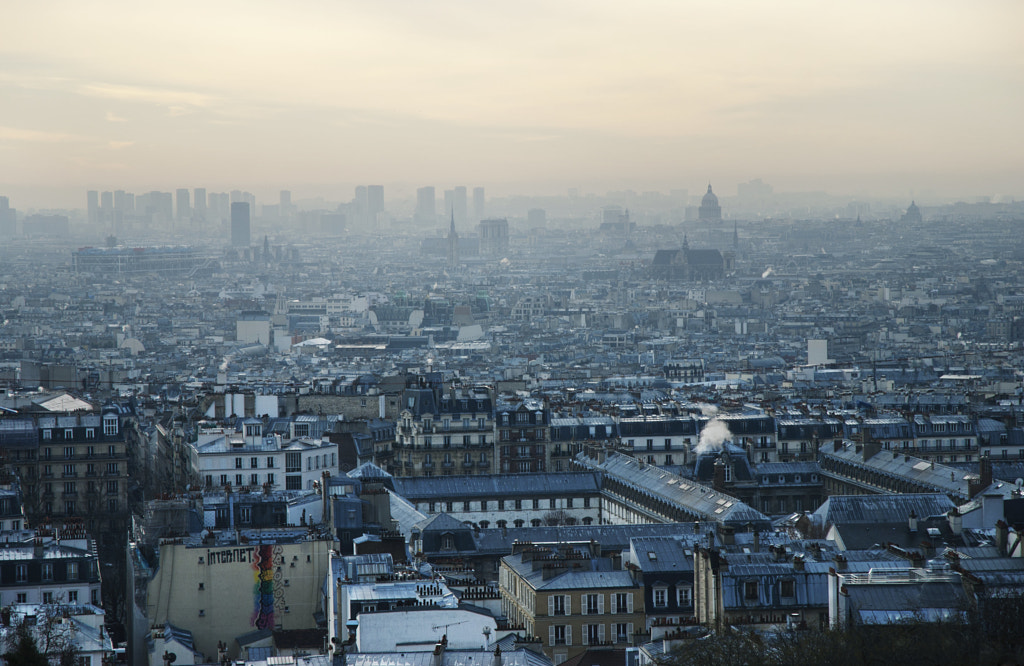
(263, 590)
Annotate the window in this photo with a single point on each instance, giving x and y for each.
(519, 505)
(684, 596)
(109, 425)
(69, 452)
(112, 506)
(750, 590)
(47, 597)
(245, 514)
(72, 596)
(254, 479)
(224, 479)
(293, 462)
(111, 468)
(660, 597)
(238, 479)
(787, 588)
(72, 570)
(90, 433)
(557, 604)
(595, 634)
(270, 479)
(622, 632)
(47, 570)
(586, 502)
(568, 502)
(238, 463)
(559, 635)
(47, 434)
(69, 488)
(270, 462)
(623, 603)
(254, 463)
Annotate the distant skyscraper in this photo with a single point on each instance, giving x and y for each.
(182, 204)
(106, 207)
(709, 208)
(219, 206)
(92, 198)
(8, 219)
(199, 204)
(478, 203)
(374, 205)
(536, 217)
(121, 201)
(426, 206)
(360, 205)
(285, 203)
(460, 206)
(240, 224)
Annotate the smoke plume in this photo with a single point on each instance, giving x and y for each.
(713, 436)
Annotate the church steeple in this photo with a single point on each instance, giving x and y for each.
(453, 243)
(735, 235)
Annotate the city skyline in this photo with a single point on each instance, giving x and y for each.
(881, 99)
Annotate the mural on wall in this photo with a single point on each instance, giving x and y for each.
(263, 590)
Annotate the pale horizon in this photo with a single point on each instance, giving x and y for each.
(871, 99)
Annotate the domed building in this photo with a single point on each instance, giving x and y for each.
(913, 214)
(709, 208)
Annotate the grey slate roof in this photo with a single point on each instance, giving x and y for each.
(874, 509)
(492, 486)
(692, 497)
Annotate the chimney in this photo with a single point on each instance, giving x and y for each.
(871, 447)
(840, 561)
(437, 659)
(912, 522)
(497, 656)
(728, 535)
(1002, 536)
(956, 521)
(985, 474)
(798, 562)
(757, 541)
(718, 482)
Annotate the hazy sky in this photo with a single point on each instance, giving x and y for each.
(885, 96)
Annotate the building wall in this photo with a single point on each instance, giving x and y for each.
(220, 592)
(540, 616)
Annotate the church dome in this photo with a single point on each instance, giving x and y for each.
(710, 199)
(709, 208)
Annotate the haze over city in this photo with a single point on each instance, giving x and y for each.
(452, 333)
(868, 98)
